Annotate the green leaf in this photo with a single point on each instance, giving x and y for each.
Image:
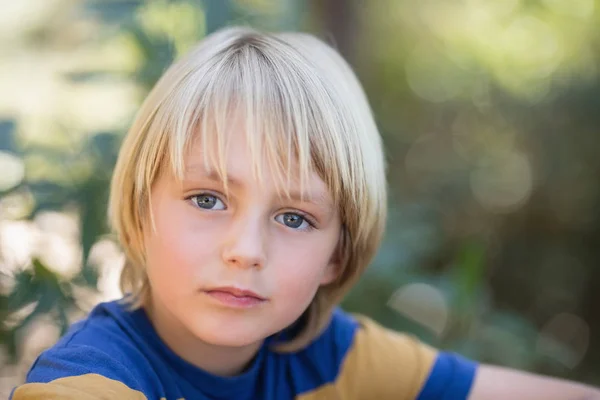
(93, 199)
(23, 292)
(104, 148)
(7, 137)
(159, 53)
(93, 76)
(468, 273)
(112, 11)
(50, 195)
(218, 14)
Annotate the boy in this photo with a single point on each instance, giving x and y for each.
(249, 196)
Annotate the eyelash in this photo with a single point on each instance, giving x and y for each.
(306, 217)
(309, 220)
(215, 195)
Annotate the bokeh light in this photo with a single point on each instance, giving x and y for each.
(423, 304)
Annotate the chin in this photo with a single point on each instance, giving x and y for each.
(231, 340)
(231, 332)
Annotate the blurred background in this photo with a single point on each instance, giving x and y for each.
(490, 112)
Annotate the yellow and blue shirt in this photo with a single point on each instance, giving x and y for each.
(116, 354)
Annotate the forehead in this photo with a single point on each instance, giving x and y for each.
(265, 120)
(241, 163)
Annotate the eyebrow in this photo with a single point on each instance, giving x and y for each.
(199, 171)
(318, 198)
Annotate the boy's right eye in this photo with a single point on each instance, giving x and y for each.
(207, 201)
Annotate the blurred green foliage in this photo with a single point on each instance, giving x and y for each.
(489, 118)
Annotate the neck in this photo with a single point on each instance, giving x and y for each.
(217, 360)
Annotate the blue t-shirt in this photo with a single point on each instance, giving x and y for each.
(116, 354)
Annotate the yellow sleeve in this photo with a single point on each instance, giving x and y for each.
(381, 365)
(82, 387)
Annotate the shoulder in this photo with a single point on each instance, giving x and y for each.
(95, 352)
(401, 363)
(366, 360)
(319, 363)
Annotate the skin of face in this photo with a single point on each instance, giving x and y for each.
(272, 250)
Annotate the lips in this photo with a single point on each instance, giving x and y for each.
(237, 292)
(235, 297)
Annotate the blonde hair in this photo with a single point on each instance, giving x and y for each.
(301, 103)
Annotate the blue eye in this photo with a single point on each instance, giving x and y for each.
(294, 221)
(207, 201)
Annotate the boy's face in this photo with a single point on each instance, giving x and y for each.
(232, 271)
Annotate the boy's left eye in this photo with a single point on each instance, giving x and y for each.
(293, 220)
(207, 201)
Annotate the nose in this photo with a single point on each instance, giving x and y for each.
(245, 244)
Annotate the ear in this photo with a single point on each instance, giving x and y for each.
(334, 268)
(331, 272)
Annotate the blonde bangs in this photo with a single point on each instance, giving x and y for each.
(285, 113)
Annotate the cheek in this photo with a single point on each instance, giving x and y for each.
(177, 247)
(301, 265)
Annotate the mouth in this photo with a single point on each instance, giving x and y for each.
(235, 297)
